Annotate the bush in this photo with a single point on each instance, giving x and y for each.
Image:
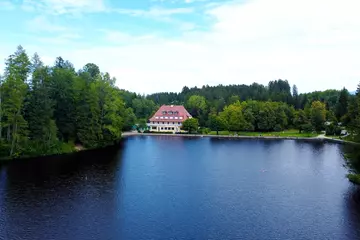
(354, 178)
(333, 130)
(308, 128)
(204, 130)
(278, 128)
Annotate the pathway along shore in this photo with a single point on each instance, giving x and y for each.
(320, 138)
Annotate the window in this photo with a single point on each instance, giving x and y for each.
(166, 128)
(156, 117)
(161, 117)
(166, 117)
(172, 128)
(171, 117)
(176, 118)
(161, 128)
(153, 128)
(181, 117)
(170, 112)
(164, 112)
(176, 112)
(179, 123)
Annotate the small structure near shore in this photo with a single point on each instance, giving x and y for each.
(169, 118)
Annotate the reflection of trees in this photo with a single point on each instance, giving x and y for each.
(317, 147)
(352, 155)
(61, 194)
(352, 202)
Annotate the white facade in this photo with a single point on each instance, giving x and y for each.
(165, 126)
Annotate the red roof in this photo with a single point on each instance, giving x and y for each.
(170, 113)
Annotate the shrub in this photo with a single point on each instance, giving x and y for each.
(204, 130)
(278, 128)
(333, 130)
(308, 128)
(354, 178)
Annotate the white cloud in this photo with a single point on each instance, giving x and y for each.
(122, 38)
(154, 12)
(315, 44)
(6, 5)
(44, 24)
(58, 7)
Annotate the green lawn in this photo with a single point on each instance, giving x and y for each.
(285, 133)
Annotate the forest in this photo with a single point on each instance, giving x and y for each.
(51, 109)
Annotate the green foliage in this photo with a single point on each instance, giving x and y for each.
(14, 88)
(333, 129)
(318, 115)
(342, 103)
(191, 125)
(233, 117)
(195, 105)
(142, 124)
(216, 123)
(307, 128)
(45, 110)
(354, 178)
(204, 130)
(143, 108)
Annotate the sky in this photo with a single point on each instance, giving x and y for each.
(162, 45)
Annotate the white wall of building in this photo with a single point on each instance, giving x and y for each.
(165, 126)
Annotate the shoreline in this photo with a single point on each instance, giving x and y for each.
(317, 139)
(79, 149)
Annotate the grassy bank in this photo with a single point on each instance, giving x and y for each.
(354, 178)
(285, 133)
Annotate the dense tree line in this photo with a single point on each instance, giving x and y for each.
(48, 109)
(263, 108)
(277, 91)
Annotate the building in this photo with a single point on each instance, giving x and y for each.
(343, 133)
(168, 118)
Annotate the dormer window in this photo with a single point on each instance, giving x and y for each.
(164, 112)
(170, 112)
(176, 112)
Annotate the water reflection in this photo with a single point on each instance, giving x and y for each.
(352, 210)
(183, 188)
(51, 191)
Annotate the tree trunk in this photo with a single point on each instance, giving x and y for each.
(13, 139)
(8, 134)
(14, 133)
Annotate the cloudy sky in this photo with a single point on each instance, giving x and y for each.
(162, 45)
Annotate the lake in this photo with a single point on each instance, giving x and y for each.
(165, 187)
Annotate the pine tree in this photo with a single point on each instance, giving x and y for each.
(14, 92)
(342, 104)
(40, 108)
(295, 96)
(318, 115)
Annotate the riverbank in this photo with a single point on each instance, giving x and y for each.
(80, 148)
(320, 138)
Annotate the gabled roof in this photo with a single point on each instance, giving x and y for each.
(171, 113)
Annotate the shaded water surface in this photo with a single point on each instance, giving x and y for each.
(182, 188)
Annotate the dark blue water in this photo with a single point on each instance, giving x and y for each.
(183, 188)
